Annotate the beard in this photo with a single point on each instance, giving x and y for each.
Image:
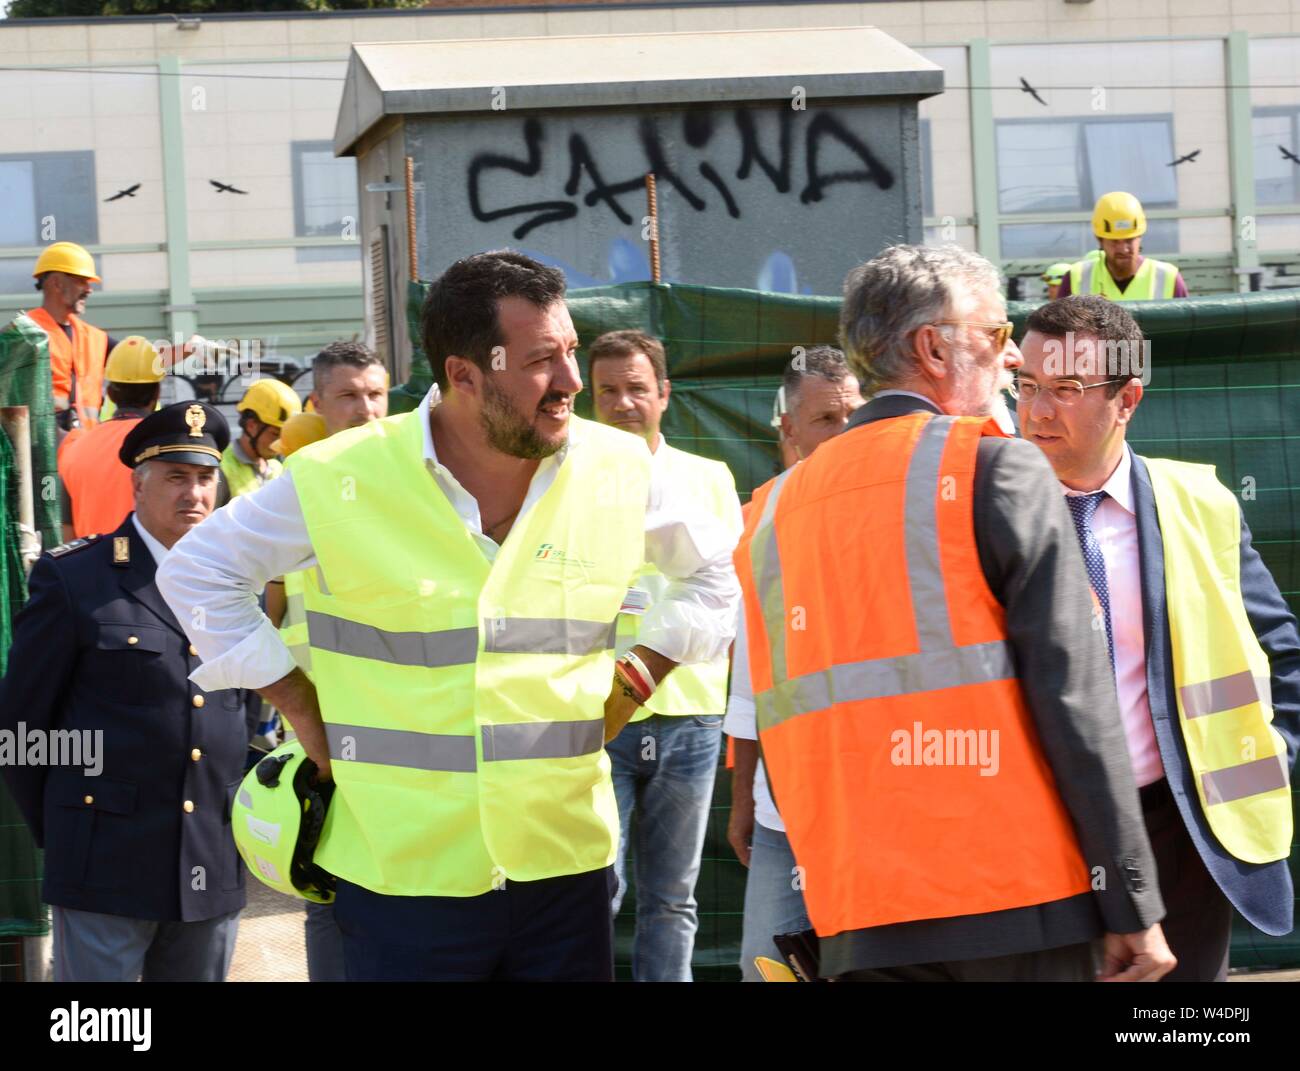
(511, 433)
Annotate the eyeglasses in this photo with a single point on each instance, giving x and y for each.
(1000, 339)
(1062, 392)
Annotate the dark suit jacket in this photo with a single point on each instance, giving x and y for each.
(1262, 893)
(97, 649)
(1030, 556)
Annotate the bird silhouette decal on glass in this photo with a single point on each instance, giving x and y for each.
(128, 192)
(223, 187)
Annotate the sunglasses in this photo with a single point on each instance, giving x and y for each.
(1000, 339)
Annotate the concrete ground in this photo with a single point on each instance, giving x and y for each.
(270, 946)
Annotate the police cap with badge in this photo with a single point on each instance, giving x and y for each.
(190, 433)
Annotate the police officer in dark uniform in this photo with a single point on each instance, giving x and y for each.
(140, 864)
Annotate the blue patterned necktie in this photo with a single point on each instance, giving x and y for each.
(1082, 507)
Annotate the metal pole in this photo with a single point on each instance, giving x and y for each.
(412, 255)
(652, 205)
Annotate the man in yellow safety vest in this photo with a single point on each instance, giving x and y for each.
(664, 762)
(249, 461)
(1116, 269)
(1204, 650)
(471, 558)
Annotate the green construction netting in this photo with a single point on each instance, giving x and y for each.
(24, 380)
(1224, 390)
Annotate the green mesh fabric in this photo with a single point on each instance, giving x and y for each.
(24, 380)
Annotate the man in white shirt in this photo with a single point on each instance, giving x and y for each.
(821, 393)
(1080, 387)
(503, 350)
(665, 761)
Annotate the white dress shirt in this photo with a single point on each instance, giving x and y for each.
(158, 551)
(742, 723)
(212, 576)
(1115, 526)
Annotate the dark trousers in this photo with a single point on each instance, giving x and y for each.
(1198, 925)
(1070, 963)
(554, 930)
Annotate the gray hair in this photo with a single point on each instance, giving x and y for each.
(817, 362)
(889, 297)
(343, 352)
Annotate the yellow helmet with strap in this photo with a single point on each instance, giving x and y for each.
(271, 401)
(134, 360)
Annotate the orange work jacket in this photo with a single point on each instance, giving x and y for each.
(83, 357)
(898, 742)
(98, 484)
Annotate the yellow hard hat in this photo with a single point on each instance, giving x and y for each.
(273, 402)
(133, 360)
(1057, 272)
(1118, 215)
(67, 257)
(309, 406)
(301, 429)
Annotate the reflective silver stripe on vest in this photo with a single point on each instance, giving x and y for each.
(1161, 274)
(1085, 278)
(921, 537)
(295, 608)
(450, 647)
(881, 678)
(547, 635)
(1224, 693)
(399, 747)
(302, 655)
(1248, 779)
(937, 665)
(543, 740)
(765, 558)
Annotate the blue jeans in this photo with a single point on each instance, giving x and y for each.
(772, 902)
(663, 771)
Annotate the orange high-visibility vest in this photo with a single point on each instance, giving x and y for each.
(98, 484)
(83, 356)
(880, 664)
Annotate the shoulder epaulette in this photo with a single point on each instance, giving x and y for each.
(76, 544)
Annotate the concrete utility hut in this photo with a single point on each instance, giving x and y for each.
(782, 157)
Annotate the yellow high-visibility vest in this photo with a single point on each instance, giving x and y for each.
(464, 700)
(1154, 279)
(701, 688)
(293, 626)
(1221, 674)
(241, 478)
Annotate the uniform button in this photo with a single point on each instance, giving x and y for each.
(188, 806)
(133, 640)
(90, 800)
(194, 650)
(195, 755)
(198, 700)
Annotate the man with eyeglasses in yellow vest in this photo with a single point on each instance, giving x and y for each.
(1204, 649)
(665, 761)
(1116, 269)
(468, 563)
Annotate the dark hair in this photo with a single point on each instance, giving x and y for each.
(459, 318)
(1089, 315)
(342, 352)
(134, 395)
(625, 344)
(817, 362)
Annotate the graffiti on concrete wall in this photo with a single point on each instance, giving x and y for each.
(759, 195)
(698, 129)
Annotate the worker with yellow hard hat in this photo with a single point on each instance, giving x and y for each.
(249, 461)
(64, 273)
(1116, 269)
(1053, 277)
(98, 484)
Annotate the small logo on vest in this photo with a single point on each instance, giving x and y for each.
(549, 552)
